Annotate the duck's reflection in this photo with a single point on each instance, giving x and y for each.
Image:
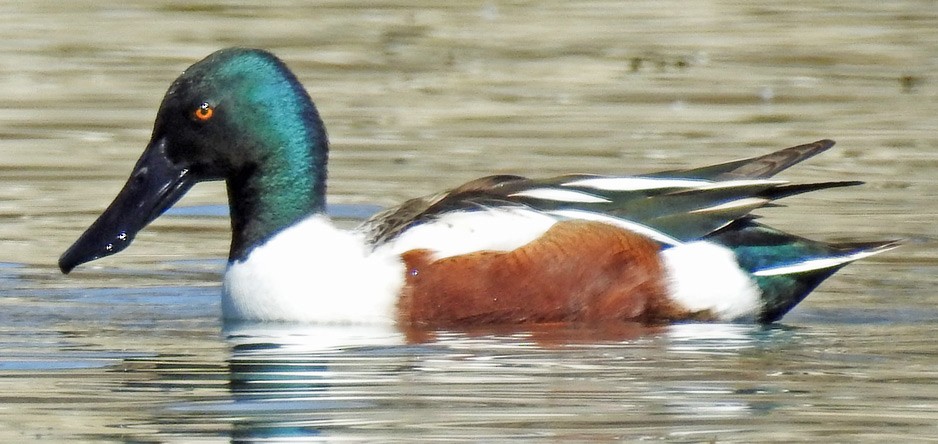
(293, 383)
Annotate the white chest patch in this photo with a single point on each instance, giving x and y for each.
(314, 272)
(705, 276)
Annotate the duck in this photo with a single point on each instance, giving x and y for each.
(585, 249)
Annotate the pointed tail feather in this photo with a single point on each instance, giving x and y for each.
(785, 287)
(848, 253)
(787, 267)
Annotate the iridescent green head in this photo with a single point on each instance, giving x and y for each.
(238, 115)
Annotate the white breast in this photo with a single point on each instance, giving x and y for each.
(314, 272)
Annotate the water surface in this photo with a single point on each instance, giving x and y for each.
(420, 96)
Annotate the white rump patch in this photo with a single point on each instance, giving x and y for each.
(314, 272)
(559, 195)
(705, 276)
(464, 232)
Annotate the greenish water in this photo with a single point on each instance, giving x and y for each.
(421, 96)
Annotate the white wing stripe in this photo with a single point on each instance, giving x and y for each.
(559, 195)
(651, 183)
(738, 203)
(634, 183)
(621, 223)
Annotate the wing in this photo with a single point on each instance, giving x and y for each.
(760, 167)
(670, 207)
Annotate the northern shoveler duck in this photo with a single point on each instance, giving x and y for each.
(669, 246)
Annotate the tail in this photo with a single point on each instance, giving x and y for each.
(787, 267)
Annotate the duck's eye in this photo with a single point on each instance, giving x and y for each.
(204, 112)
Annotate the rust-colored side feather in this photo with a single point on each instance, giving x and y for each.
(578, 271)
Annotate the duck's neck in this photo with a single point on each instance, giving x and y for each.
(287, 186)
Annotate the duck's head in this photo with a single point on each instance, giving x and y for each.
(239, 115)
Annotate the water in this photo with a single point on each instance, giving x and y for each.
(420, 96)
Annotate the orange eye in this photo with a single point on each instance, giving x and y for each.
(203, 112)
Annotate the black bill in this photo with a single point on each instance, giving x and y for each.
(154, 186)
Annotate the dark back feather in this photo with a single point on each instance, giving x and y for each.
(683, 204)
